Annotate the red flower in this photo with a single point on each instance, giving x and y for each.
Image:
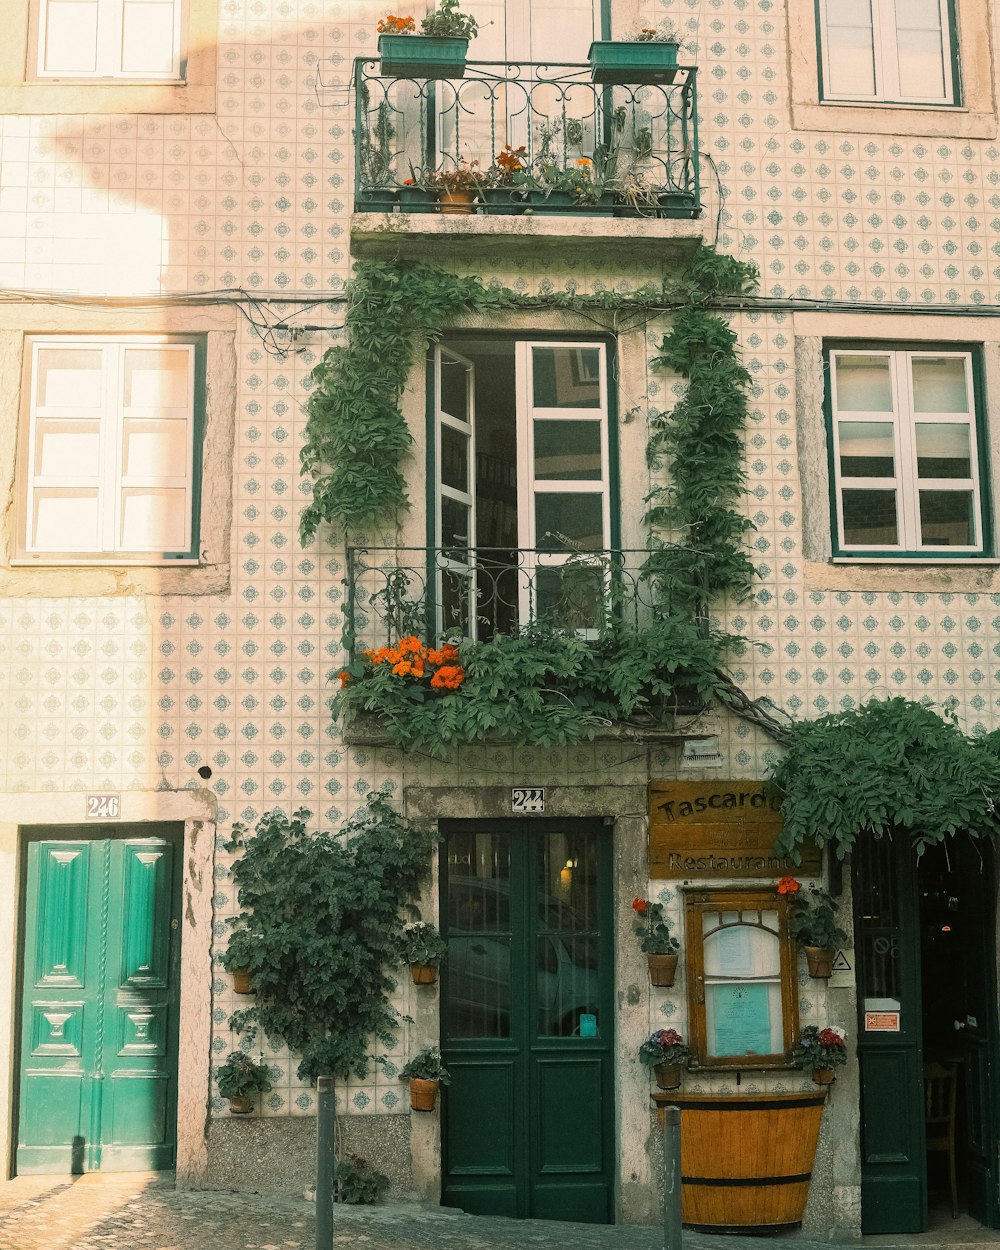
(640, 905)
(788, 885)
(828, 1037)
(343, 677)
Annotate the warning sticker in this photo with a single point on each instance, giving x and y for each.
(881, 1021)
(841, 963)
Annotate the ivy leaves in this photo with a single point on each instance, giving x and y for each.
(888, 767)
(319, 924)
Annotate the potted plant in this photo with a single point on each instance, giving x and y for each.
(656, 940)
(239, 1078)
(575, 189)
(822, 1050)
(812, 922)
(456, 187)
(426, 1073)
(647, 55)
(500, 191)
(666, 1053)
(439, 51)
(376, 191)
(237, 959)
(423, 949)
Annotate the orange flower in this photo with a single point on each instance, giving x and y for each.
(410, 644)
(450, 677)
(402, 669)
(788, 885)
(585, 161)
(343, 677)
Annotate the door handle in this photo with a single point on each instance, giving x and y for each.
(959, 1024)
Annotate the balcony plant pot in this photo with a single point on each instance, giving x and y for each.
(423, 1094)
(457, 203)
(423, 974)
(503, 200)
(376, 200)
(416, 200)
(241, 981)
(620, 63)
(562, 203)
(240, 1104)
(423, 56)
(823, 1076)
(662, 969)
(668, 1075)
(748, 1158)
(820, 961)
(677, 204)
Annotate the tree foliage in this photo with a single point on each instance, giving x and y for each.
(319, 925)
(885, 768)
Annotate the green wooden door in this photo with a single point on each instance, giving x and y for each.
(98, 1069)
(527, 1022)
(887, 940)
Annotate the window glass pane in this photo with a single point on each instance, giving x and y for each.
(477, 970)
(863, 384)
(478, 999)
(566, 377)
(742, 951)
(455, 518)
(147, 37)
(454, 458)
(921, 64)
(851, 61)
(562, 31)
(155, 449)
(946, 518)
(67, 448)
(454, 388)
(567, 977)
(70, 37)
(69, 377)
(154, 520)
(849, 13)
(870, 518)
(939, 384)
(65, 520)
(743, 1020)
(866, 449)
(155, 378)
(943, 450)
(569, 522)
(568, 450)
(569, 597)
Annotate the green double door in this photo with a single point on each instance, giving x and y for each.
(527, 1019)
(99, 1010)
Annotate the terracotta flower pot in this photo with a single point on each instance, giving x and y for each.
(662, 969)
(241, 981)
(240, 1105)
(458, 203)
(820, 961)
(668, 1075)
(423, 1094)
(823, 1076)
(423, 974)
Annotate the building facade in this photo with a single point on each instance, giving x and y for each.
(183, 191)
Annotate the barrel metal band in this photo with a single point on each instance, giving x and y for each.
(719, 1181)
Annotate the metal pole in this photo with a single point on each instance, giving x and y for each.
(324, 1163)
(672, 1178)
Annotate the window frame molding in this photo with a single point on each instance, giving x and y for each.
(23, 91)
(974, 118)
(211, 575)
(107, 10)
(698, 900)
(978, 414)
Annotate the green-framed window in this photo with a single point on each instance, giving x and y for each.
(888, 51)
(907, 457)
(111, 449)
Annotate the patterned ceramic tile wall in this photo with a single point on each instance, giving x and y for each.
(139, 692)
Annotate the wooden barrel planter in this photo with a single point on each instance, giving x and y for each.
(746, 1159)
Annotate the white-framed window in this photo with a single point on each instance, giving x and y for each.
(905, 453)
(98, 39)
(888, 51)
(111, 450)
(524, 509)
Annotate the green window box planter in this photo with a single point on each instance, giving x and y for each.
(563, 204)
(417, 200)
(503, 200)
(423, 56)
(619, 63)
(376, 199)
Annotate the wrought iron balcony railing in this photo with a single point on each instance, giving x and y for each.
(393, 592)
(637, 144)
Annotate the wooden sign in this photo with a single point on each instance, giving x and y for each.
(718, 829)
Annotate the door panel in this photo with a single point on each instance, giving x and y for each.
(100, 1014)
(527, 1019)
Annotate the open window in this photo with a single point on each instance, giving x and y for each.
(742, 999)
(524, 516)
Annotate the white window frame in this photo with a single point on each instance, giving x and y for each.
(905, 481)
(886, 58)
(111, 482)
(109, 49)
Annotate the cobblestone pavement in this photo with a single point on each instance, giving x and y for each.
(144, 1212)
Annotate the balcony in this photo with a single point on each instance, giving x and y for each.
(640, 141)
